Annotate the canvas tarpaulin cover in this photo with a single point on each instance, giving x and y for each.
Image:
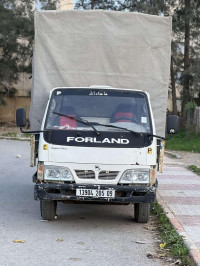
(77, 48)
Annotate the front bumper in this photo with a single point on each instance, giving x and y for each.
(67, 192)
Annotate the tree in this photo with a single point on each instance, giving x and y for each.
(186, 27)
(96, 4)
(173, 87)
(16, 40)
(143, 6)
(48, 4)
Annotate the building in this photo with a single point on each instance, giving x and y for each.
(65, 5)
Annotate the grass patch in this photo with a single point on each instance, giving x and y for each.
(10, 134)
(172, 241)
(184, 141)
(194, 169)
(16, 135)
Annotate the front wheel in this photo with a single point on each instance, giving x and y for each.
(142, 212)
(48, 209)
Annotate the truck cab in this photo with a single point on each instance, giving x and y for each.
(96, 145)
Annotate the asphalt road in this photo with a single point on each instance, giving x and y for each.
(82, 234)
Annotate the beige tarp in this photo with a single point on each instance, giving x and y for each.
(84, 48)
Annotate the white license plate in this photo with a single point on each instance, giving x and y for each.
(95, 193)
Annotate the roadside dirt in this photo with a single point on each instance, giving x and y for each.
(187, 158)
(5, 129)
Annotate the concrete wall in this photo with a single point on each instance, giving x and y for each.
(7, 112)
(23, 85)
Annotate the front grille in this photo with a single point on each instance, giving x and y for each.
(108, 175)
(85, 174)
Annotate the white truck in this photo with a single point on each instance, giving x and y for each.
(98, 143)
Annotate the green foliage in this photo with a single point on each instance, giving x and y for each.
(190, 106)
(96, 4)
(185, 140)
(156, 7)
(174, 242)
(186, 28)
(194, 169)
(48, 4)
(16, 40)
(16, 37)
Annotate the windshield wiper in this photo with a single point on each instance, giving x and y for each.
(159, 137)
(129, 130)
(85, 122)
(112, 126)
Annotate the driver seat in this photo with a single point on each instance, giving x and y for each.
(123, 113)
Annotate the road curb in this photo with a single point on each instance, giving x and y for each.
(193, 249)
(172, 154)
(177, 156)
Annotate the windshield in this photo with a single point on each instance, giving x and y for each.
(121, 108)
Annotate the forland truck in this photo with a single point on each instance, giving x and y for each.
(98, 143)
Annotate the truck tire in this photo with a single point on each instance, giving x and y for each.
(142, 212)
(48, 209)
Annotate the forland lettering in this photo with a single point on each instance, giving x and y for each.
(94, 140)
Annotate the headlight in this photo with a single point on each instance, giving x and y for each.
(135, 176)
(57, 173)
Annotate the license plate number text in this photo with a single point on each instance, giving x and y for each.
(96, 193)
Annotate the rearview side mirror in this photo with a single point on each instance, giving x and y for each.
(21, 117)
(172, 124)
